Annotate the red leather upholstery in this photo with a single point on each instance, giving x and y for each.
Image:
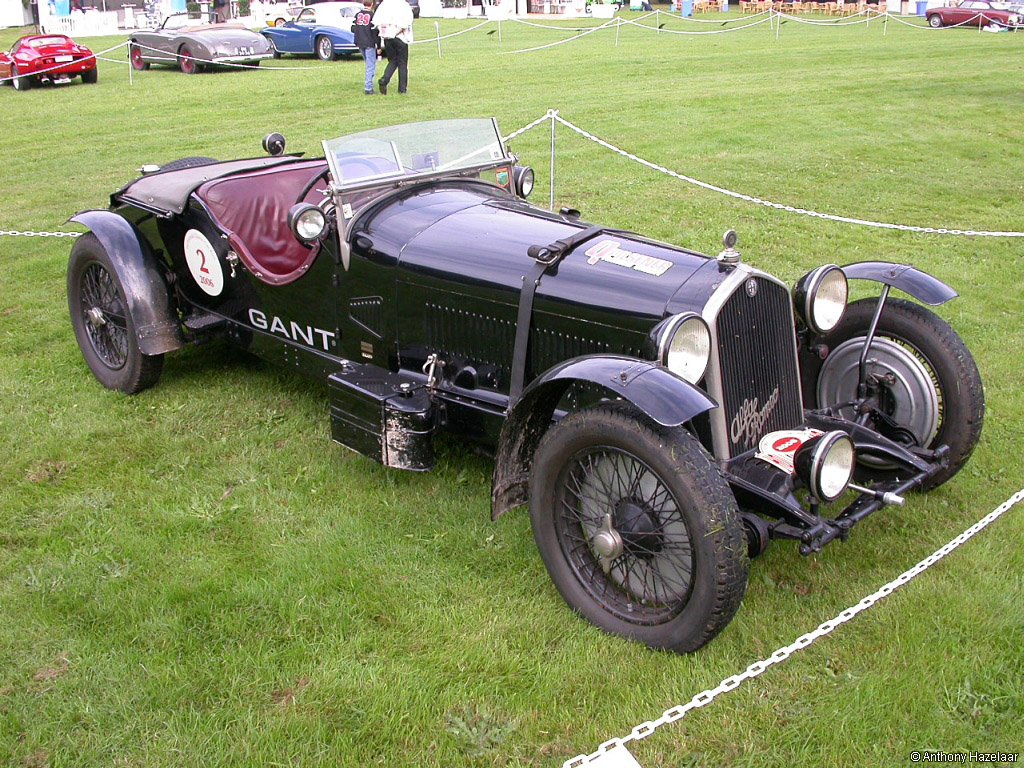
(252, 209)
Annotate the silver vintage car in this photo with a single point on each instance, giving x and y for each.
(187, 42)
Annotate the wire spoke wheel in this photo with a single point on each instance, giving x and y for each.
(104, 316)
(649, 577)
(101, 316)
(637, 527)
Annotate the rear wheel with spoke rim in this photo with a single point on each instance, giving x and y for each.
(135, 56)
(637, 528)
(22, 83)
(103, 324)
(324, 49)
(188, 64)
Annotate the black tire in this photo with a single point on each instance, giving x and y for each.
(103, 325)
(935, 21)
(186, 162)
(324, 48)
(273, 48)
(22, 83)
(637, 528)
(935, 394)
(90, 76)
(186, 61)
(135, 57)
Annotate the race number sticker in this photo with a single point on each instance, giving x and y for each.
(203, 262)
(779, 448)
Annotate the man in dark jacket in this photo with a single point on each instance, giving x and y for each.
(367, 40)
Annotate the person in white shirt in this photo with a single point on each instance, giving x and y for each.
(394, 20)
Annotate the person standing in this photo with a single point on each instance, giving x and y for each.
(367, 40)
(394, 20)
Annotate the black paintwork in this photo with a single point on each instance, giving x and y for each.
(437, 268)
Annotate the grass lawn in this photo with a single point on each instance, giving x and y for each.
(198, 576)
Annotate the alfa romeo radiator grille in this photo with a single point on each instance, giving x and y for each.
(757, 354)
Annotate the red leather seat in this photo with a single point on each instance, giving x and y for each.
(252, 209)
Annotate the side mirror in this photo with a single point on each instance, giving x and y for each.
(273, 144)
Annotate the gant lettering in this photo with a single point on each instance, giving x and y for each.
(305, 334)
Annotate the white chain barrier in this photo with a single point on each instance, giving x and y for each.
(551, 115)
(590, 31)
(767, 18)
(453, 34)
(739, 24)
(704, 698)
(16, 233)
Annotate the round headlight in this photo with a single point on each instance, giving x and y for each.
(685, 347)
(307, 222)
(821, 297)
(825, 464)
(522, 180)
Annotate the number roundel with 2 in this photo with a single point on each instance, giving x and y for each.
(203, 262)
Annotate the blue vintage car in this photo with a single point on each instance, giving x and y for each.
(314, 30)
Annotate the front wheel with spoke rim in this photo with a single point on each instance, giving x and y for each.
(637, 528)
(103, 323)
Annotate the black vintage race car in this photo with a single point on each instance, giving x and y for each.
(664, 414)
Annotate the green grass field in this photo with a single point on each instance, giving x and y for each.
(198, 576)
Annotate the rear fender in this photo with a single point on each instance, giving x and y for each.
(663, 396)
(922, 286)
(149, 297)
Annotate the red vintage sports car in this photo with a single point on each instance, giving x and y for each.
(46, 59)
(974, 13)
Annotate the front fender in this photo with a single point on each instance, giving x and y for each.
(663, 396)
(910, 280)
(146, 291)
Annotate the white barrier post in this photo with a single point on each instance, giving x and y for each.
(551, 181)
(437, 30)
(657, 20)
(499, 30)
(618, 23)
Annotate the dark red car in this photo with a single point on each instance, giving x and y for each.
(975, 13)
(46, 59)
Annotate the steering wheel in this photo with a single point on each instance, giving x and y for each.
(311, 183)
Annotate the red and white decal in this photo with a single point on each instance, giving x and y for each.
(203, 262)
(779, 448)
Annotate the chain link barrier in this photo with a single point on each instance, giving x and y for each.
(704, 698)
(551, 115)
(592, 30)
(16, 233)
